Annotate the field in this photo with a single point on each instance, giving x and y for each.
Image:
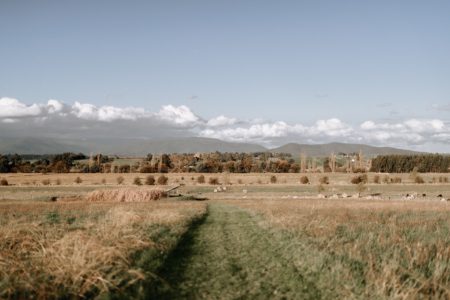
(256, 239)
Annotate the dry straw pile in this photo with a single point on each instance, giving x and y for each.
(126, 195)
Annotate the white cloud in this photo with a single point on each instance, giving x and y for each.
(9, 121)
(412, 131)
(331, 127)
(425, 125)
(107, 113)
(13, 108)
(55, 118)
(266, 132)
(179, 115)
(54, 106)
(221, 121)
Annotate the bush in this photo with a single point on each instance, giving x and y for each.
(58, 181)
(376, 179)
(162, 180)
(78, 180)
(213, 180)
(4, 182)
(324, 180)
(273, 179)
(150, 180)
(419, 179)
(147, 169)
(359, 179)
(396, 180)
(45, 182)
(443, 179)
(103, 181)
(304, 180)
(120, 180)
(240, 181)
(386, 179)
(201, 179)
(320, 188)
(137, 181)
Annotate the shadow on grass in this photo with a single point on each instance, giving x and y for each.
(172, 270)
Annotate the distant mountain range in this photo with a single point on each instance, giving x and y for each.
(327, 149)
(141, 147)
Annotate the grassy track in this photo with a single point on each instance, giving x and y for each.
(229, 256)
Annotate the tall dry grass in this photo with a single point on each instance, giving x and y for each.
(374, 249)
(81, 249)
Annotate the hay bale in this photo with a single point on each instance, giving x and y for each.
(125, 195)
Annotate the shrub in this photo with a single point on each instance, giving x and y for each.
(419, 179)
(386, 179)
(376, 179)
(45, 182)
(320, 188)
(58, 181)
(361, 187)
(396, 180)
(304, 180)
(443, 179)
(3, 182)
(201, 179)
(162, 180)
(240, 181)
(103, 181)
(359, 179)
(150, 180)
(273, 179)
(78, 180)
(324, 180)
(213, 180)
(120, 180)
(137, 181)
(147, 169)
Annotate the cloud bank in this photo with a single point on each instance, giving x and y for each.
(84, 120)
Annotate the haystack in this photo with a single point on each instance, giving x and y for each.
(126, 195)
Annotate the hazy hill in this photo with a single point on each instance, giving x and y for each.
(131, 147)
(327, 149)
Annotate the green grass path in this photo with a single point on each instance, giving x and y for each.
(229, 256)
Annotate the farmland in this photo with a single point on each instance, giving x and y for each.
(257, 238)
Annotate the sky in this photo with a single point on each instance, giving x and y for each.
(267, 72)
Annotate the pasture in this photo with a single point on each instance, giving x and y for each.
(257, 238)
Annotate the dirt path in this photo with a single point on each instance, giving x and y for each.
(229, 256)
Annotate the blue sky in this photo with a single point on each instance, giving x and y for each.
(296, 62)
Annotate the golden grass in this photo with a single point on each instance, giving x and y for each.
(383, 249)
(78, 249)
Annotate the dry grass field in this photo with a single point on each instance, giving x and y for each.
(374, 249)
(254, 239)
(84, 249)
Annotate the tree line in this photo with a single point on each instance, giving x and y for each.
(218, 162)
(424, 163)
